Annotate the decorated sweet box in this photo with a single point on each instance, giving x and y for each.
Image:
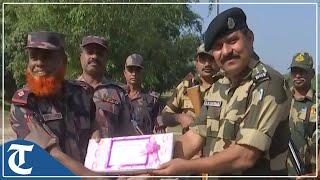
(129, 155)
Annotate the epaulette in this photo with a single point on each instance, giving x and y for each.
(260, 73)
(186, 83)
(20, 97)
(188, 80)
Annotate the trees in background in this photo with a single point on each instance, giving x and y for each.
(165, 35)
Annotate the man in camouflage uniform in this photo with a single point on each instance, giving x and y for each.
(243, 124)
(303, 114)
(145, 106)
(56, 114)
(179, 112)
(112, 103)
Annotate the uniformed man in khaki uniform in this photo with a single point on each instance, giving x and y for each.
(303, 114)
(145, 106)
(243, 125)
(179, 112)
(111, 100)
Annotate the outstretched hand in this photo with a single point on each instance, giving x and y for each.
(173, 167)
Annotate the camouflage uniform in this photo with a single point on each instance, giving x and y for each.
(253, 113)
(181, 103)
(302, 126)
(145, 108)
(68, 116)
(111, 100)
(302, 120)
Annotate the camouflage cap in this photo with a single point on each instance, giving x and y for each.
(201, 50)
(94, 40)
(46, 40)
(134, 60)
(302, 60)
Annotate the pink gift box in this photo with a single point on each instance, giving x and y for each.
(129, 155)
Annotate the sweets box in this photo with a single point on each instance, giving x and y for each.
(129, 155)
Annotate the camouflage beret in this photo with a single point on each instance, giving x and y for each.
(224, 23)
(94, 40)
(302, 60)
(46, 40)
(134, 60)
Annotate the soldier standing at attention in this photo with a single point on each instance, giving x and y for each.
(145, 106)
(303, 113)
(54, 113)
(111, 100)
(243, 125)
(179, 112)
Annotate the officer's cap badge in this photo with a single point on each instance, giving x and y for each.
(299, 58)
(231, 23)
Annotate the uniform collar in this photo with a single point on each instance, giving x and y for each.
(253, 62)
(203, 89)
(310, 94)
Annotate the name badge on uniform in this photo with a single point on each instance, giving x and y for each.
(50, 117)
(212, 103)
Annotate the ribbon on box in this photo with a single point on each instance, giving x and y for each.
(152, 149)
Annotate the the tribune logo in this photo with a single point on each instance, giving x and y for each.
(20, 150)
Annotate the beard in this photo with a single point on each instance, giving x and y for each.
(45, 86)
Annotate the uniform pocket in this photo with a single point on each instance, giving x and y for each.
(213, 118)
(302, 116)
(228, 129)
(214, 113)
(212, 127)
(108, 107)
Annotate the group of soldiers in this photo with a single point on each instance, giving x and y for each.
(241, 124)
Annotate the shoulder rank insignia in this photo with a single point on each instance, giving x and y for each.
(20, 97)
(260, 73)
(20, 93)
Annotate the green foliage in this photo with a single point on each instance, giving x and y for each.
(165, 35)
